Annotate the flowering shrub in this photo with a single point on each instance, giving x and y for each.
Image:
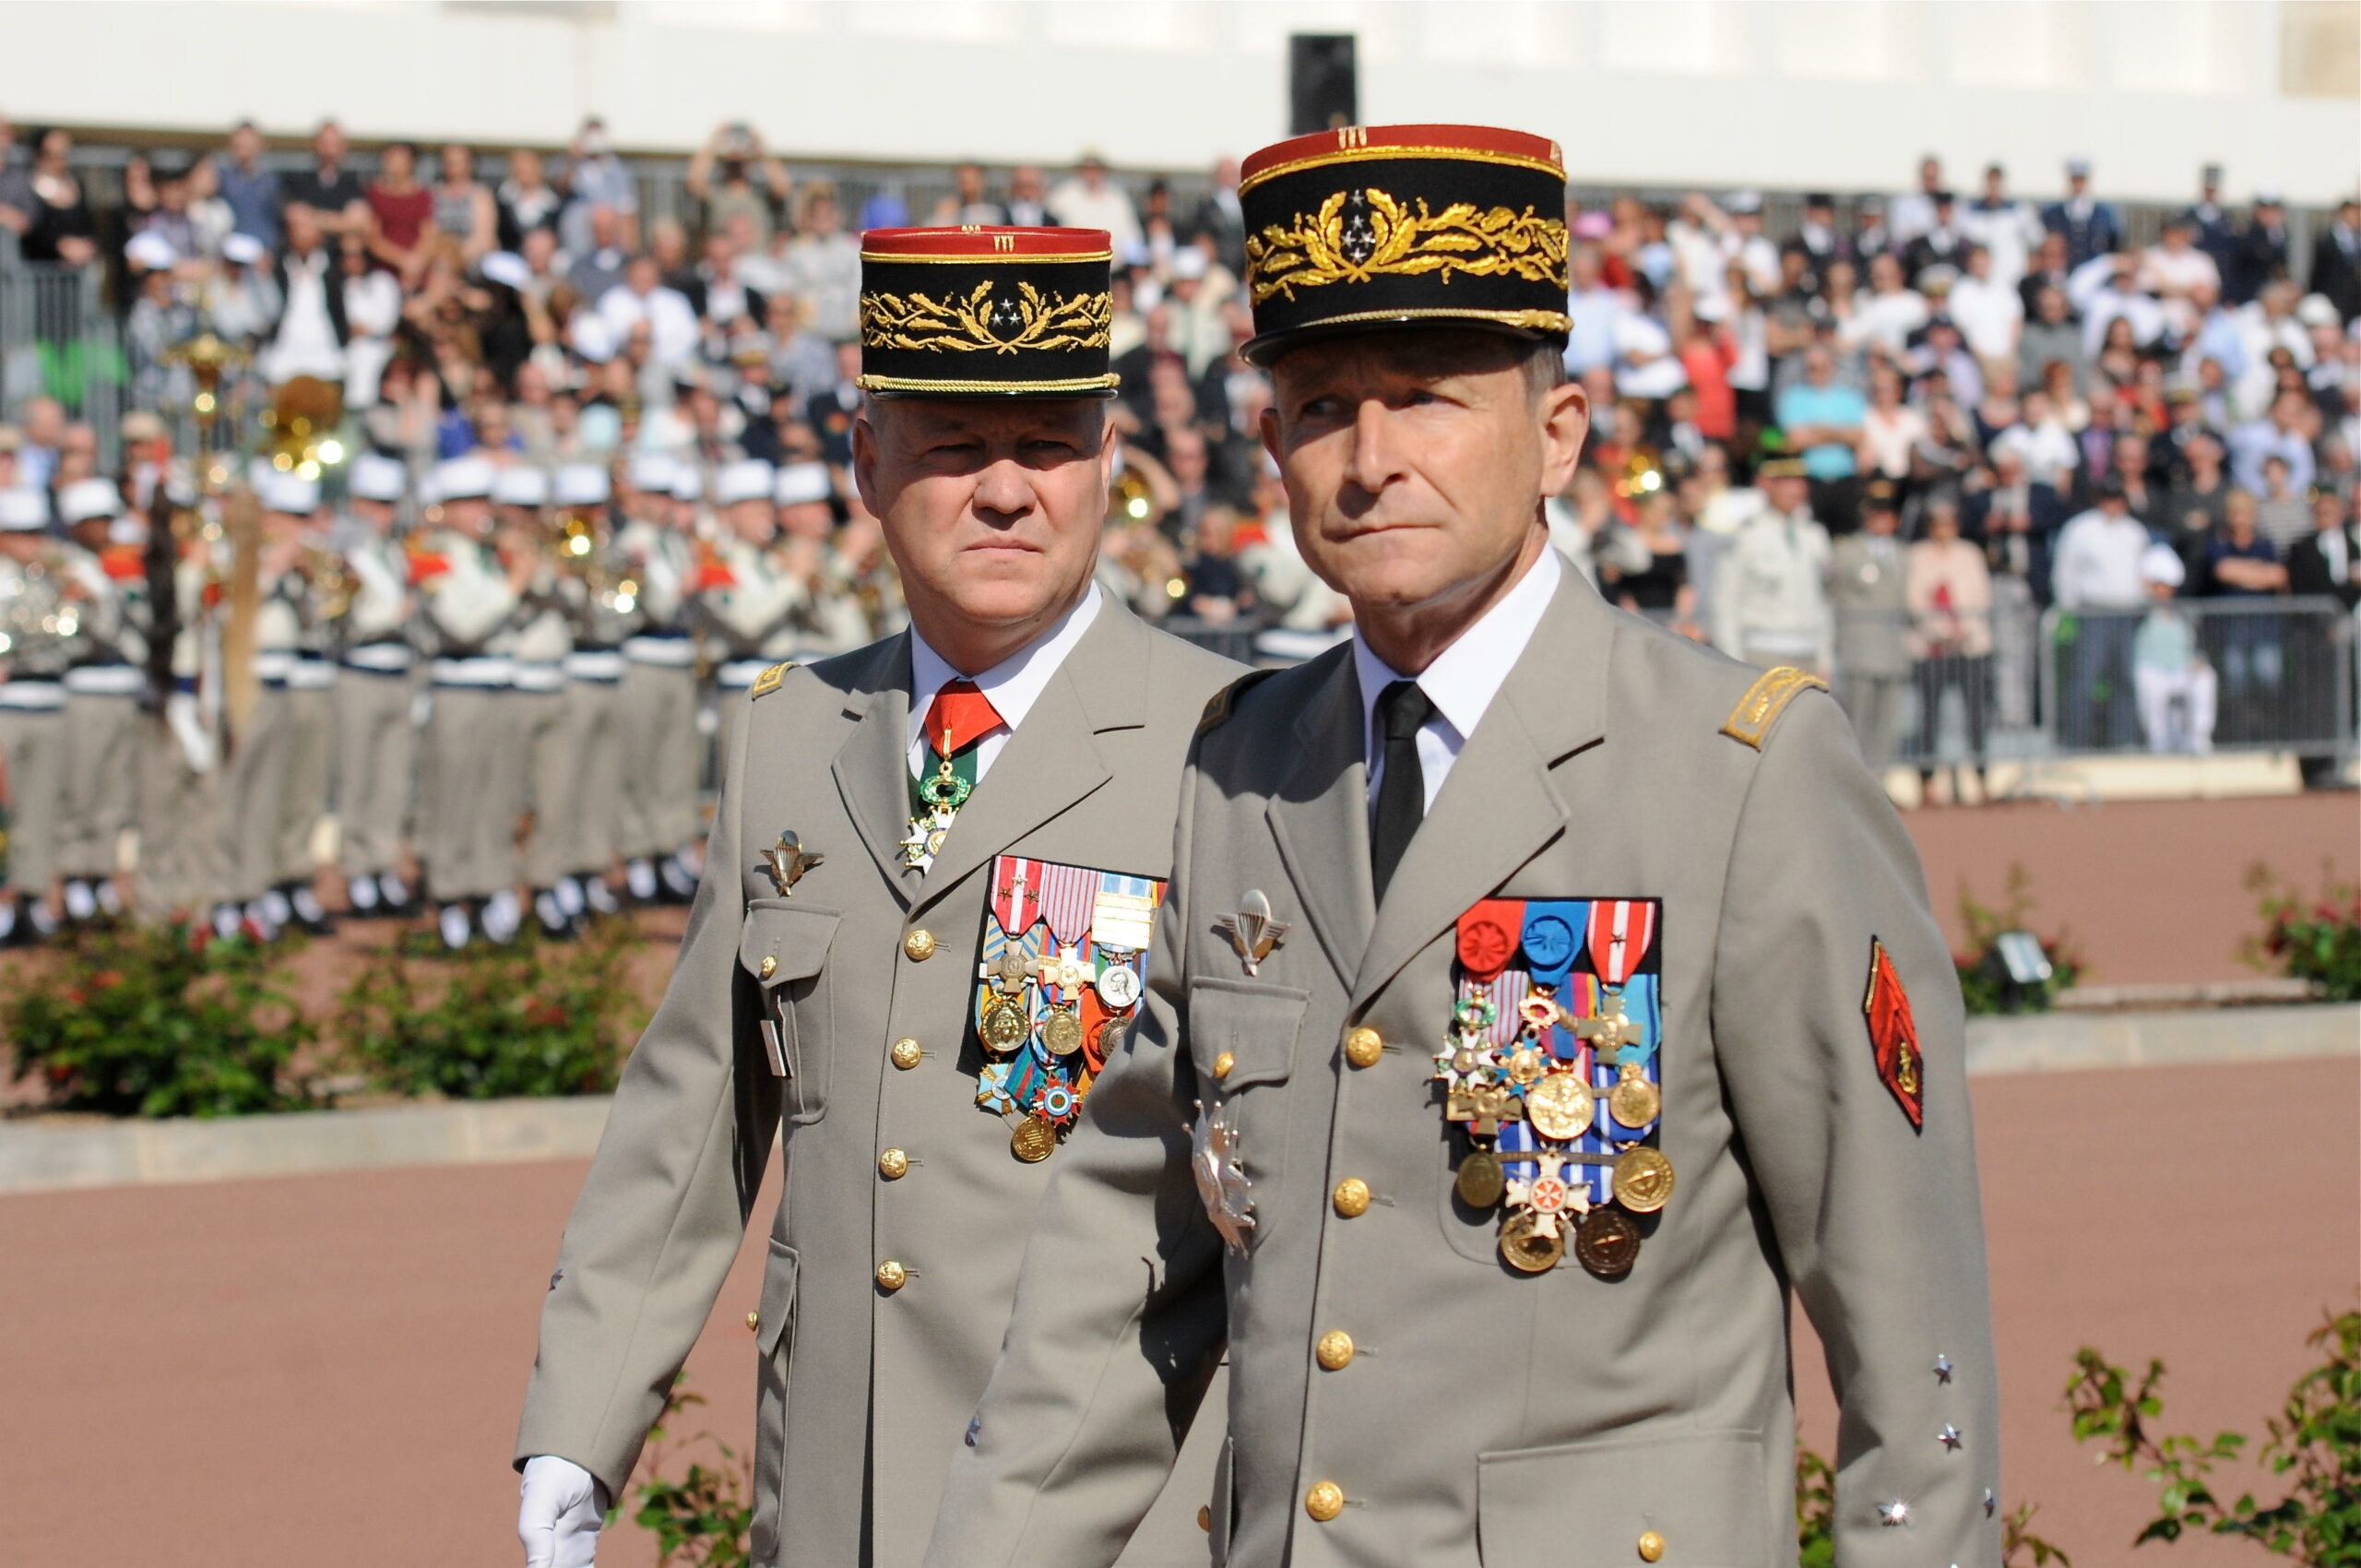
(2320, 944)
(170, 1022)
(1983, 978)
(535, 1019)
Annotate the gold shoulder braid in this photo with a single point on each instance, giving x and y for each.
(768, 680)
(1359, 234)
(984, 323)
(1750, 722)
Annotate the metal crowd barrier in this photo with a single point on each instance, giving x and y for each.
(58, 340)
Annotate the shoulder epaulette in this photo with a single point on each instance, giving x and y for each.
(768, 680)
(1750, 722)
(1218, 709)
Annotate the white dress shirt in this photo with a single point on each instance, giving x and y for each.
(1013, 684)
(1463, 680)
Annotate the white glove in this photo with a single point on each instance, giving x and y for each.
(187, 725)
(560, 1508)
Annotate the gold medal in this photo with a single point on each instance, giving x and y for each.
(1606, 1242)
(1633, 1100)
(1007, 1027)
(1033, 1140)
(1061, 1032)
(1481, 1181)
(1531, 1244)
(1560, 1107)
(1525, 1066)
(1642, 1181)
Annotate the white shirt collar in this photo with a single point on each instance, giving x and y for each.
(1466, 676)
(1013, 684)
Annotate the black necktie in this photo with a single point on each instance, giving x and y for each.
(1402, 710)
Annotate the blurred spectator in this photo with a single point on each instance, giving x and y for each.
(59, 226)
(527, 202)
(1220, 220)
(2262, 249)
(823, 265)
(1912, 213)
(250, 187)
(2173, 684)
(2283, 435)
(464, 207)
(737, 179)
(1770, 599)
(331, 192)
(2098, 569)
(2178, 273)
(2089, 227)
(1823, 417)
(401, 227)
(2336, 261)
(1027, 198)
(2212, 220)
(595, 178)
(1948, 591)
(2282, 514)
(309, 329)
(1090, 200)
(2010, 230)
(642, 296)
(1985, 305)
(1868, 597)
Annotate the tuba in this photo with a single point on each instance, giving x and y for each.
(37, 617)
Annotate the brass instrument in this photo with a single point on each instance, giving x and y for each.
(1642, 474)
(38, 613)
(208, 358)
(1132, 501)
(330, 581)
(301, 424)
(581, 547)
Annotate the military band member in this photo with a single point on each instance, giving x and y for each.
(180, 868)
(40, 606)
(321, 594)
(1535, 1004)
(254, 787)
(376, 742)
(468, 597)
(750, 606)
(661, 754)
(102, 691)
(837, 617)
(539, 772)
(989, 792)
(604, 603)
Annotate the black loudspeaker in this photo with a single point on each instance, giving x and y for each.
(1323, 86)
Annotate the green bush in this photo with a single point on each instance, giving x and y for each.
(2321, 943)
(704, 1519)
(169, 1022)
(1983, 981)
(491, 1022)
(2315, 1438)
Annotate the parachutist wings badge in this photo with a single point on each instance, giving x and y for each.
(787, 862)
(1252, 932)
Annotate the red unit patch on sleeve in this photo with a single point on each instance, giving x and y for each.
(1895, 1037)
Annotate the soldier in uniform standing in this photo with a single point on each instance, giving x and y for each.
(253, 788)
(322, 598)
(933, 872)
(102, 690)
(1536, 997)
(376, 744)
(1872, 624)
(538, 771)
(181, 870)
(660, 688)
(1769, 600)
(749, 603)
(41, 605)
(468, 596)
(604, 603)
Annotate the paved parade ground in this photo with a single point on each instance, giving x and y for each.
(325, 1370)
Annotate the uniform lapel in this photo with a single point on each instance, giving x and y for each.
(1500, 806)
(1320, 818)
(1053, 759)
(872, 767)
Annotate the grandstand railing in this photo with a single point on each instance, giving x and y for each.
(58, 340)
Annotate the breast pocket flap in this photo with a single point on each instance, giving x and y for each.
(782, 945)
(1587, 1504)
(1241, 1033)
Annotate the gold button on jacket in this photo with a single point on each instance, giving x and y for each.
(1223, 1064)
(1335, 1351)
(1363, 1047)
(906, 1054)
(1351, 1198)
(893, 1165)
(770, 965)
(919, 946)
(1651, 1547)
(892, 1275)
(1324, 1501)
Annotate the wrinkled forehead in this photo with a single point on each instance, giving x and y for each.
(1388, 358)
(992, 419)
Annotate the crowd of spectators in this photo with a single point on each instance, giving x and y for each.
(2017, 382)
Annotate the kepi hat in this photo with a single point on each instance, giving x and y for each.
(979, 312)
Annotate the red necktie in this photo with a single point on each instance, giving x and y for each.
(959, 717)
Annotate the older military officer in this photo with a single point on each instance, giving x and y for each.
(1496, 935)
(930, 894)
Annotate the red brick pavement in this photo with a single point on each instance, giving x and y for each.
(325, 1370)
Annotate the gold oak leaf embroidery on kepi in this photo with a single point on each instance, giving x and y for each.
(984, 324)
(1357, 235)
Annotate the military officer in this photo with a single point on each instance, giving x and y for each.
(989, 792)
(102, 691)
(661, 754)
(376, 744)
(41, 605)
(470, 597)
(1872, 624)
(1510, 1005)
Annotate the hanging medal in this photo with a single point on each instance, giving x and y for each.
(941, 794)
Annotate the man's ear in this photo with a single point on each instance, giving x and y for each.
(1266, 425)
(864, 460)
(1565, 425)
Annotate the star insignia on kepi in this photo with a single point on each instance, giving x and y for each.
(1252, 932)
(1949, 1437)
(1892, 1514)
(787, 862)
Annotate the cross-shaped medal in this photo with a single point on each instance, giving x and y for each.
(1007, 973)
(1066, 971)
(1610, 1029)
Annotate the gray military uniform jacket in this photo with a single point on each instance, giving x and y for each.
(864, 1392)
(1872, 610)
(1482, 1416)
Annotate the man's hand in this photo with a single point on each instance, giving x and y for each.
(560, 1508)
